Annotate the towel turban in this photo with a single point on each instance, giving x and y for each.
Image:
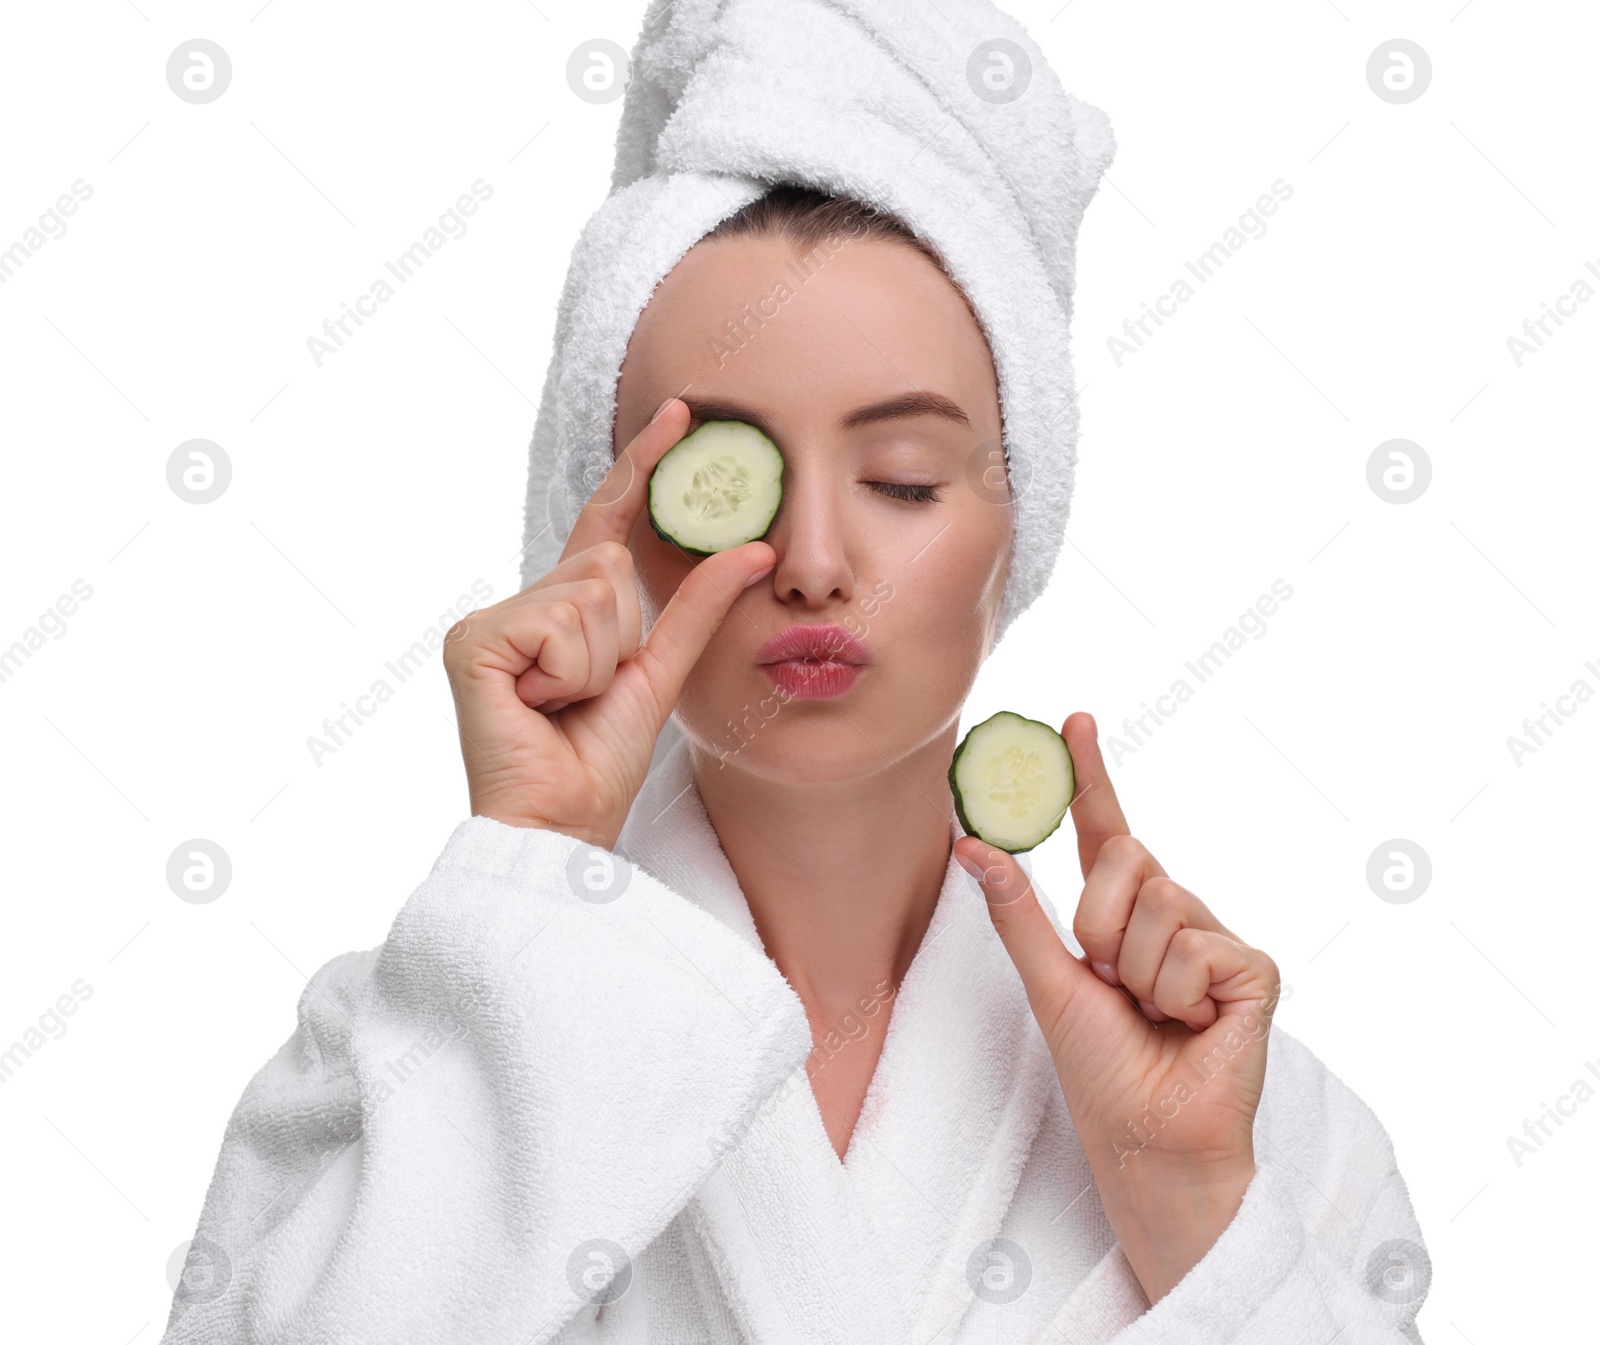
(945, 115)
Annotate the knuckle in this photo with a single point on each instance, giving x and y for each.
(1123, 848)
(1164, 895)
(564, 615)
(1188, 942)
(614, 557)
(594, 594)
(458, 636)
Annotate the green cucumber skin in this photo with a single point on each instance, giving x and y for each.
(955, 790)
(666, 536)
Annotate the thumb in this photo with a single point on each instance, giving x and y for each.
(1050, 973)
(693, 614)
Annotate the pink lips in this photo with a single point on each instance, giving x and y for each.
(813, 662)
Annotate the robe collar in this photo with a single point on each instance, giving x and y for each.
(800, 1245)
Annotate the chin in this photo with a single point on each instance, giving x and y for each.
(799, 744)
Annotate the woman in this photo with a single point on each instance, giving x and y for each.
(702, 1036)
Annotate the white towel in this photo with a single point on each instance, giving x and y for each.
(520, 1070)
(946, 114)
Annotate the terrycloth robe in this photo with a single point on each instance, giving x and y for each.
(567, 1100)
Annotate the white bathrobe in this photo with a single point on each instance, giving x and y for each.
(554, 1107)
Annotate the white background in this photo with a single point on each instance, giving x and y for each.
(370, 493)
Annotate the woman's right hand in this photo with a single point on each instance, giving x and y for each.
(558, 703)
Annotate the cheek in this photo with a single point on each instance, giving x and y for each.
(944, 601)
(942, 611)
(970, 571)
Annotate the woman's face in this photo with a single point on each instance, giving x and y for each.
(918, 582)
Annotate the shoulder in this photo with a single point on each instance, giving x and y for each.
(334, 997)
(1336, 1156)
(1301, 1087)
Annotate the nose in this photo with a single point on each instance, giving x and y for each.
(814, 566)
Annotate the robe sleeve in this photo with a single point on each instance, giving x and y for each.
(476, 1125)
(1325, 1245)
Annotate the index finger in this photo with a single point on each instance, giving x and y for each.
(1096, 813)
(693, 615)
(613, 507)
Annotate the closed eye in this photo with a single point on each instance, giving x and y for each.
(901, 490)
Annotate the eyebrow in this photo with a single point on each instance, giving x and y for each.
(893, 408)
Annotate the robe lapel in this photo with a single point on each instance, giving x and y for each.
(791, 1253)
(773, 1225)
(877, 1248)
(1108, 1299)
(953, 1108)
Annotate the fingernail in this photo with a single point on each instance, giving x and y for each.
(759, 575)
(970, 865)
(664, 405)
(1106, 972)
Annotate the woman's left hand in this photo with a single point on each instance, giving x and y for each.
(1159, 1034)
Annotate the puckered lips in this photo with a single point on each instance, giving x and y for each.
(813, 662)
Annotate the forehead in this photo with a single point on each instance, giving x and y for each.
(754, 317)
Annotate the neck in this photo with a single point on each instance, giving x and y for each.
(841, 877)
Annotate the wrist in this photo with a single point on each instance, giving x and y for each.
(526, 823)
(1168, 1215)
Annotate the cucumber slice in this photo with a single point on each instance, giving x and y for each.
(1012, 779)
(716, 488)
